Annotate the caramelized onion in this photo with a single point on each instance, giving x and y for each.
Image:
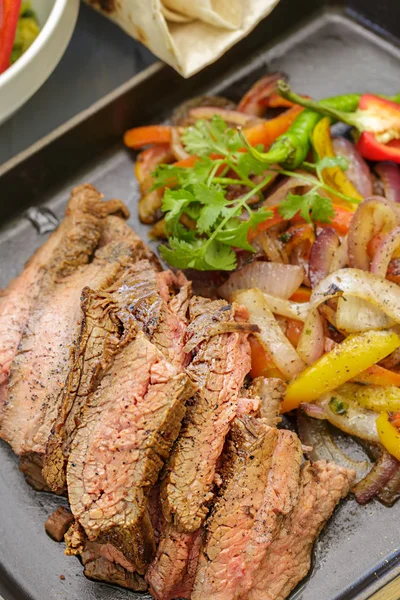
(316, 433)
(383, 470)
(357, 171)
(271, 336)
(354, 420)
(374, 215)
(254, 100)
(361, 284)
(176, 145)
(311, 343)
(384, 252)
(389, 174)
(354, 315)
(229, 116)
(287, 308)
(341, 258)
(288, 185)
(273, 278)
(391, 492)
(322, 253)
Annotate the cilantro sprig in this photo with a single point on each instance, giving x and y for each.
(215, 225)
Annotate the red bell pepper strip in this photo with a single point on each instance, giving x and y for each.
(9, 15)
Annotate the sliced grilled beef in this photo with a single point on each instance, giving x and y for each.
(271, 392)
(128, 428)
(99, 561)
(141, 295)
(218, 368)
(58, 523)
(45, 354)
(230, 528)
(288, 558)
(280, 496)
(101, 569)
(172, 572)
(70, 246)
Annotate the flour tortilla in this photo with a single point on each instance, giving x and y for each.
(220, 13)
(188, 46)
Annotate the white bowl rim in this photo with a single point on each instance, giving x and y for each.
(41, 40)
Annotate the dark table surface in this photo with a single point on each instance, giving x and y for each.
(99, 58)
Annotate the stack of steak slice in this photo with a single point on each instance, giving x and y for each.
(70, 246)
(217, 335)
(122, 390)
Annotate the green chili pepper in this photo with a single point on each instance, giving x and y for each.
(291, 148)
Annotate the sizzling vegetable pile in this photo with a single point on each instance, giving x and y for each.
(311, 235)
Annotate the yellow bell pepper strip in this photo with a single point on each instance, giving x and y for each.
(389, 434)
(372, 397)
(335, 177)
(346, 360)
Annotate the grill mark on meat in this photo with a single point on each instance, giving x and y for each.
(250, 453)
(288, 559)
(130, 424)
(71, 245)
(173, 570)
(218, 369)
(46, 353)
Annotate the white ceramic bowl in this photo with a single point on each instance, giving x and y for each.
(19, 82)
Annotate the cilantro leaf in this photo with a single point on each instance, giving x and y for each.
(236, 233)
(172, 176)
(208, 137)
(174, 203)
(328, 162)
(310, 206)
(214, 204)
(248, 165)
(199, 254)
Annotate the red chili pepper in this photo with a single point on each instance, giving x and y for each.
(9, 14)
(377, 120)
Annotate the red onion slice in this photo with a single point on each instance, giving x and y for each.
(288, 185)
(390, 177)
(276, 279)
(358, 172)
(384, 252)
(312, 339)
(322, 253)
(229, 116)
(176, 145)
(374, 215)
(341, 258)
(253, 102)
(381, 473)
(313, 410)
